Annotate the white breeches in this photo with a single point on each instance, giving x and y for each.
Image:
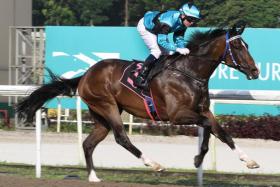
(149, 38)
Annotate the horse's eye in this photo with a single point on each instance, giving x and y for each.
(239, 43)
(236, 44)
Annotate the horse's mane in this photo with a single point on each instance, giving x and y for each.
(197, 38)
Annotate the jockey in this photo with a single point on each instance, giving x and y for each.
(154, 28)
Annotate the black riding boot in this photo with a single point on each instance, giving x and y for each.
(147, 65)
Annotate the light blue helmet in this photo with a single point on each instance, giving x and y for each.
(190, 10)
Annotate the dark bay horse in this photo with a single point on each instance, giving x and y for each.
(180, 92)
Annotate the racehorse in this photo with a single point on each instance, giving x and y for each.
(180, 92)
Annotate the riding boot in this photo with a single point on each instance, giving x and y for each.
(140, 80)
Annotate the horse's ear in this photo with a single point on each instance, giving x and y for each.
(238, 28)
(241, 25)
(232, 31)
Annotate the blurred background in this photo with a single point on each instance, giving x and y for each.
(23, 52)
(23, 36)
(259, 13)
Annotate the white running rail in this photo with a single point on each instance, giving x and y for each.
(264, 97)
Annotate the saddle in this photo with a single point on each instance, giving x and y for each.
(128, 77)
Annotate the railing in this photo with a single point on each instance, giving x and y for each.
(263, 97)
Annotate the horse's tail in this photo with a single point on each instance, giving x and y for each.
(57, 86)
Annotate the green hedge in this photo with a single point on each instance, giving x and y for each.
(263, 127)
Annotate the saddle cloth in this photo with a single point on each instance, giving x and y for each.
(127, 79)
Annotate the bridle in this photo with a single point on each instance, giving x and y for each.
(228, 49)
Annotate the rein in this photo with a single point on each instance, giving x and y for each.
(187, 74)
(204, 81)
(184, 73)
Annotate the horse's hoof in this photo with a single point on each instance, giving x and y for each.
(197, 161)
(252, 165)
(158, 168)
(93, 178)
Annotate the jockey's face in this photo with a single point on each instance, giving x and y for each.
(185, 21)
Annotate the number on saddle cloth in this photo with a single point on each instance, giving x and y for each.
(127, 80)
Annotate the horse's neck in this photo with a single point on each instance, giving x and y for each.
(203, 66)
(198, 67)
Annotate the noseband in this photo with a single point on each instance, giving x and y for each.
(228, 49)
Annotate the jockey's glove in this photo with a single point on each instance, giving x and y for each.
(183, 51)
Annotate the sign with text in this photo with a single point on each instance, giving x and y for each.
(70, 51)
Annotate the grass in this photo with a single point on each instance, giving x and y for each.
(172, 177)
(4, 127)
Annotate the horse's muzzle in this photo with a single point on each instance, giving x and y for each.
(254, 74)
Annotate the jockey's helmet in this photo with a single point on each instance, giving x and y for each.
(190, 10)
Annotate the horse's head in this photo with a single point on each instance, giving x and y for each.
(236, 53)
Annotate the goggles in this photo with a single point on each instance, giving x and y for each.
(190, 19)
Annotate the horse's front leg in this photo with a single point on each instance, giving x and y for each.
(198, 159)
(220, 133)
(186, 116)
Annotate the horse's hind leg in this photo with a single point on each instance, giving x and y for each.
(220, 133)
(99, 132)
(113, 118)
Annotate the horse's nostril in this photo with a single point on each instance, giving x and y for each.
(255, 71)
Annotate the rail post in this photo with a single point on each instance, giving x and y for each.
(200, 169)
(38, 143)
(79, 129)
(130, 124)
(58, 127)
(213, 141)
